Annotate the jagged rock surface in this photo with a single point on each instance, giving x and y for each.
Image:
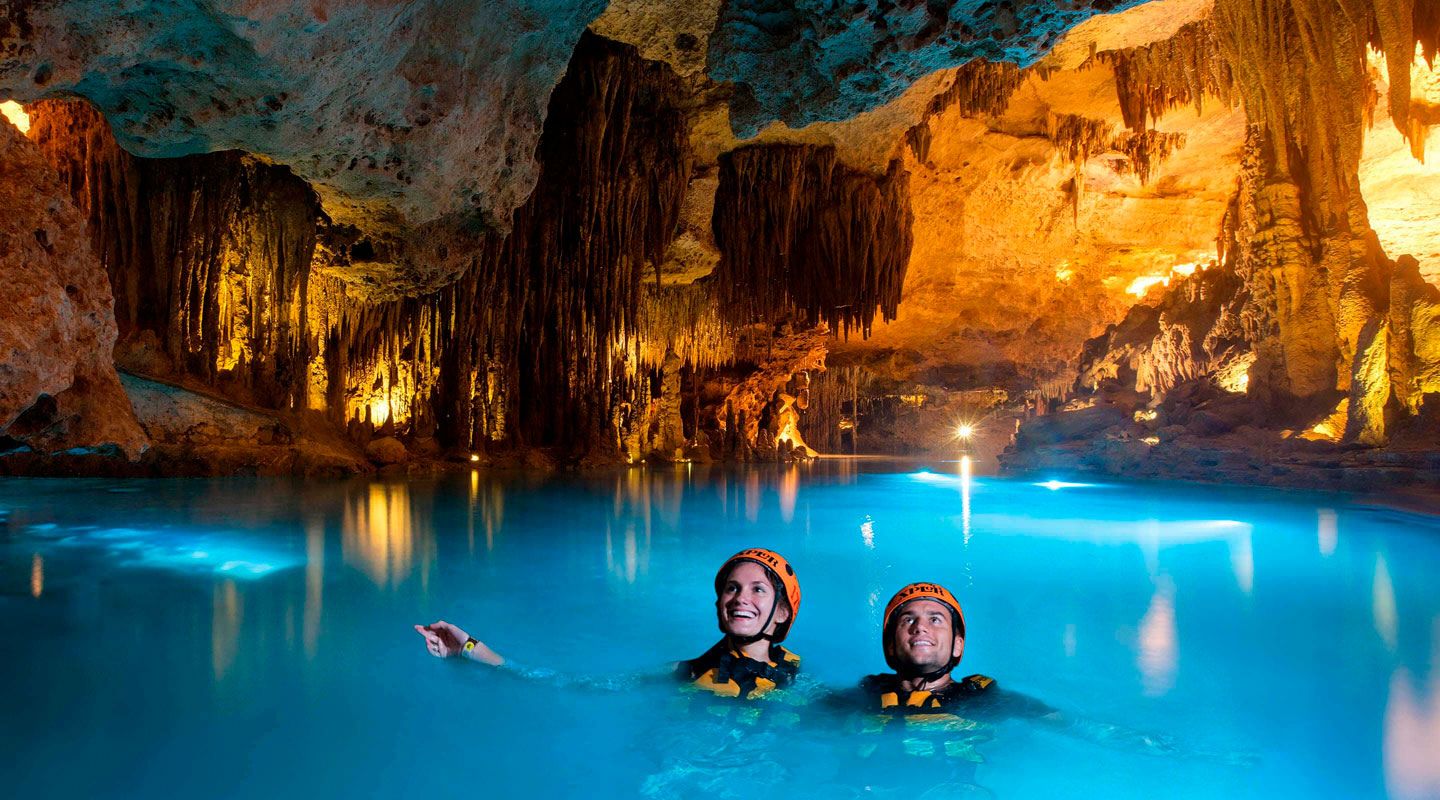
(800, 232)
(520, 348)
(803, 61)
(399, 115)
(58, 387)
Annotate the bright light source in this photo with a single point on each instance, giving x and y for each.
(965, 430)
(15, 112)
(474, 457)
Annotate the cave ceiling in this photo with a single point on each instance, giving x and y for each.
(1038, 215)
(417, 123)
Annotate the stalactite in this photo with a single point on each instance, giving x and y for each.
(216, 256)
(799, 231)
(210, 253)
(1146, 150)
(1399, 25)
(825, 424)
(1182, 70)
(1077, 138)
(685, 320)
(980, 88)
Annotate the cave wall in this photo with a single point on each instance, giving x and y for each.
(414, 121)
(227, 272)
(58, 387)
(209, 256)
(1323, 311)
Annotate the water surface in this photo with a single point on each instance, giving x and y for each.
(251, 638)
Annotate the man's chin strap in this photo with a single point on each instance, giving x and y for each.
(926, 678)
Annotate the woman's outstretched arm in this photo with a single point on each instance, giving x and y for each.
(445, 640)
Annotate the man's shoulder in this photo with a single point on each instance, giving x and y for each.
(978, 682)
(884, 682)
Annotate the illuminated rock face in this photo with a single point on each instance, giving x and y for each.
(1175, 209)
(1029, 238)
(1307, 333)
(58, 388)
(1321, 308)
(222, 281)
(402, 115)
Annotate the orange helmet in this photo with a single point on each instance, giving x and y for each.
(920, 591)
(779, 570)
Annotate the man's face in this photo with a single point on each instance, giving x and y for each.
(925, 637)
(746, 598)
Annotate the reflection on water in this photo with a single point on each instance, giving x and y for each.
(379, 533)
(488, 504)
(1242, 559)
(965, 498)
(37, 575)
(1327, 530)
(1159, 650)
(1412, 731)
(314, 582)
(1382, 603)
(789, 491)
(752, 495)
(225, 617)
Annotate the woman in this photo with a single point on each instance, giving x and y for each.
(757, 596)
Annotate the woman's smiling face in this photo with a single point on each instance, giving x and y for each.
(746, 600)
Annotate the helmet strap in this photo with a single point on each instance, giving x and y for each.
(741, 641)
(926, 678)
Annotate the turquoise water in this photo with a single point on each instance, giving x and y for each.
(251, 638)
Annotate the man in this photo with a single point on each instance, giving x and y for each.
(924, 638)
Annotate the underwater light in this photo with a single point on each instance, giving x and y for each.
(1053, 485)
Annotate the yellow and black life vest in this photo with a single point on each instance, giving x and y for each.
(892, 698)
(725, 672)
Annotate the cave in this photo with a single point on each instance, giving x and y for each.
(325, 297)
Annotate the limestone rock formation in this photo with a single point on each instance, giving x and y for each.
(400, 115)
(1305, 308)
(58, 387)
(800, 232)
(802, 61)
(225, 269)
